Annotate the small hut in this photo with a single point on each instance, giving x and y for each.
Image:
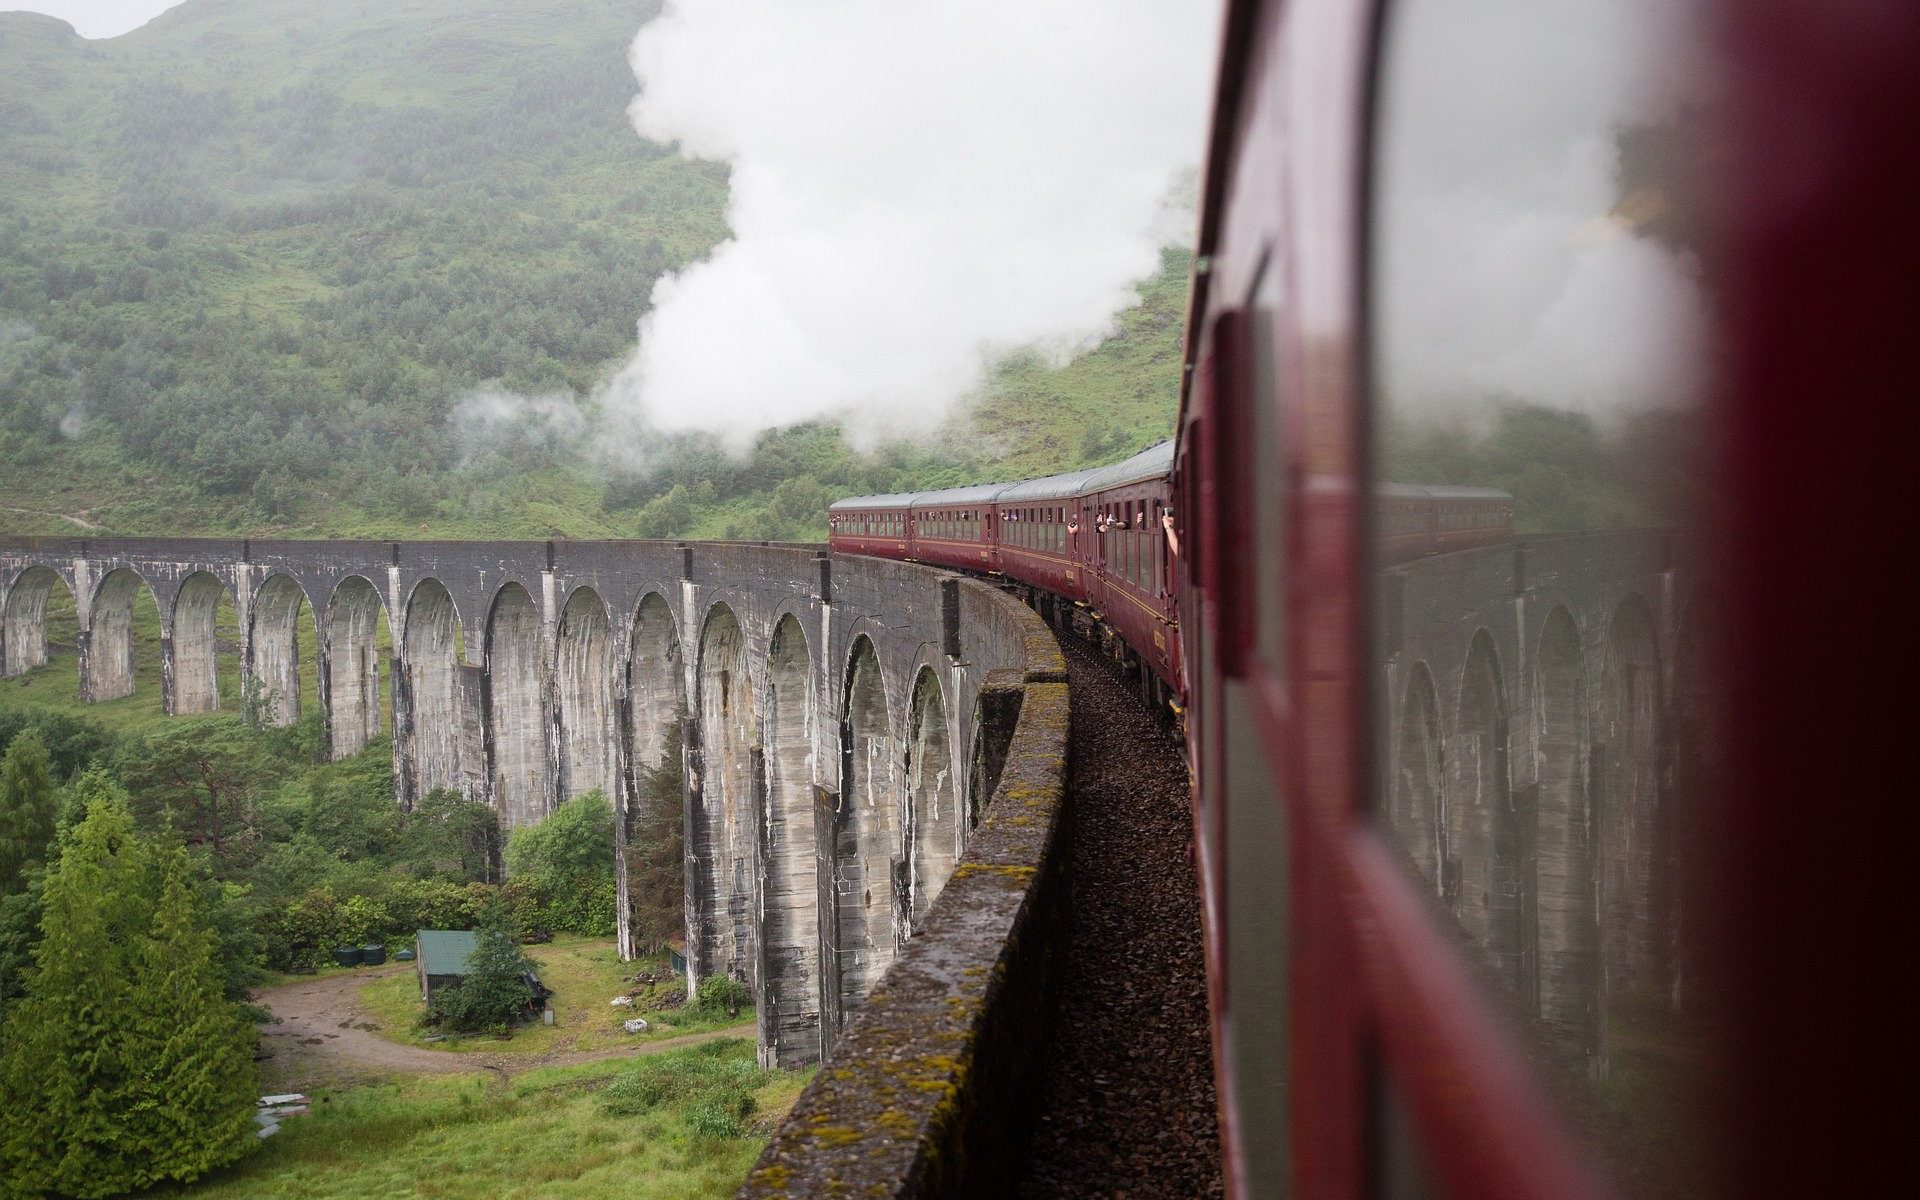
(440, 955)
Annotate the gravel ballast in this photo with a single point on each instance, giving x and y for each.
(1128, 1109)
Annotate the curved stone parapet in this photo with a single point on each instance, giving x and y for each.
(932, 1089)
(829, 710)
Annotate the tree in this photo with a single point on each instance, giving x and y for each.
(656, 852)
(86, 789)
(72, 742)
(574, 844)
(200, 1078)
(494, 990)
(123, 1066)
(455, 836)
(26, 809)
(20, 915)
(666, 515)
(201, 771)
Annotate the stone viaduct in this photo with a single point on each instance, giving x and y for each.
(860, 736)
(828, 709)
(1541, 737)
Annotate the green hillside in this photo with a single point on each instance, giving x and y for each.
(252, 254)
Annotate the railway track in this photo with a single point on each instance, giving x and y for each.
(1128, 1109)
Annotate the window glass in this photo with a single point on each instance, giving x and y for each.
(1268, 477)
(1536, 320)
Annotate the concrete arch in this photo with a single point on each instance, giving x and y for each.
(23, 627)
(354, 612)
(790, 971)
(429, 713)
(1626, 799)
(273, 648)
(936, 828)
(650, 825)
(1563, 856)
(106, 642)
(1416, 812)
(583, 665)
(193, 684)
(656, 684)
(722, 836)
(516, 712)
(866, 844)
(1481, 853)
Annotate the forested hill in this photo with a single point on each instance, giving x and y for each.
(254, 253)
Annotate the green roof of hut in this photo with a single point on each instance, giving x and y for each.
(445, 951)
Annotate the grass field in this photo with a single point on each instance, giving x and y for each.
(585, 975)
(549, 1133)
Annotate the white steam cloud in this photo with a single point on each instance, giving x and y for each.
(916, 188)
(16, 331)
(1507, 267)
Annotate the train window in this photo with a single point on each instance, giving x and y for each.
(1268, 474)
(1535, 326)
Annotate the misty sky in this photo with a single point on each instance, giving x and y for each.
(97, 18)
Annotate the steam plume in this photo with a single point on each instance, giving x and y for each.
(915, 188)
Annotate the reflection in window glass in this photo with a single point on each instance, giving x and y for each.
(1535, 319)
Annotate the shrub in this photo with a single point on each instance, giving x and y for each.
(575, 842)
(721, 995)
(562, 877)
(716, 1088)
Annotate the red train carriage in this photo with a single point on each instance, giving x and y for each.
(1045, 539)
(1416, 520)
(1131, 575)
(1516, 874)
(955, 527)
(879, 525)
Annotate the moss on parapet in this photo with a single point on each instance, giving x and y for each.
(932, 1085)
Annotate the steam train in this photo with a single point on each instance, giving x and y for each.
(1097, 540)
(1407, 201)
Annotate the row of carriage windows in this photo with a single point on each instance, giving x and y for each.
(1133, 546)
(1469, 516)
(872, 524)
(953, 525)
(1035, 528)
(1409, 517)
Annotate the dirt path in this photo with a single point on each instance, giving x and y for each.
(35, 512)
(322, 1036)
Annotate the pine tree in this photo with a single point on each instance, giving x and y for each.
(123, 1065)
(26, 809)
(69, 1070)
(199, 1081)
